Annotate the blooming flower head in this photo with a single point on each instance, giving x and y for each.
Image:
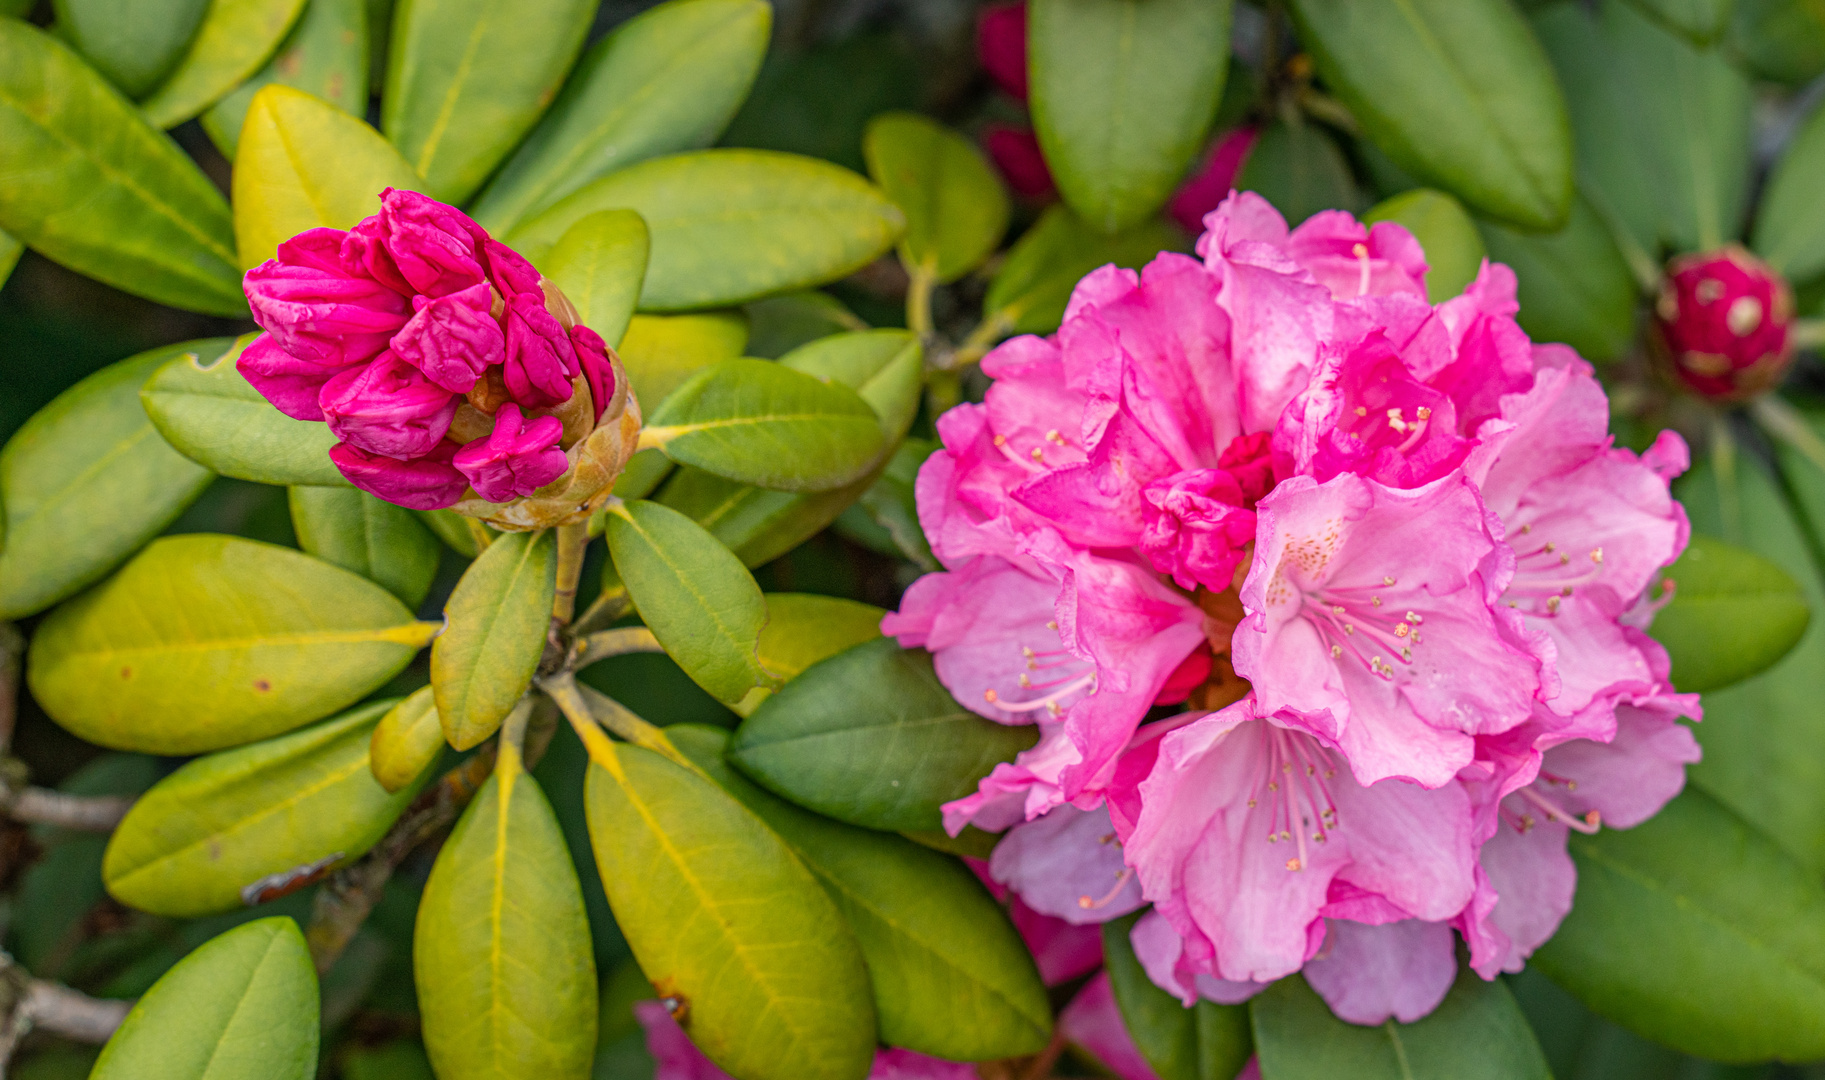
(450, 371)
(1385, 554)
(1725, 318)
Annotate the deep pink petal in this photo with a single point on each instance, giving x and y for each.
(516, 458)
(425, 483)
(452, 339)
(387, 407)
(292, 385)
(1093, 1024)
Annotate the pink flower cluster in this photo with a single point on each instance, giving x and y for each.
(1385, 553)
(436, 354)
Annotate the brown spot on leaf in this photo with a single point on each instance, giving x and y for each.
(675, 1003)
(126, 673)
(262, 685)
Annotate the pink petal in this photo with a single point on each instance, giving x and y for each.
(1057, 861)
(540, 359)
(387, 407)
(292, 385)
(1093, 1023)
(1001, 45)
(452, 339)
(516, 458)
(1400, 970)
(425, 483)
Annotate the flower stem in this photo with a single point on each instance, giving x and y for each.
(919, 302)
(607, 643)
(572, 541)
(589, 711)
(609, 605)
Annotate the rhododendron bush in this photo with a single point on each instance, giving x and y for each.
(1159, 539)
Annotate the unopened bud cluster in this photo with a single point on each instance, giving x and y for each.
(1724, 319)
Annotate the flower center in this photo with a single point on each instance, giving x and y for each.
(1355, 622)
(1043, 680)
(1296, 788)
(1519, 809)
(1547, 571)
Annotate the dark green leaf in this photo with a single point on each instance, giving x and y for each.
(1696, 931)
(467, 79)
(1457, 92)
(803, 628)
(779, 324)
(497, 620)
(376, 539)
(1454, 251)
(667, 80)
(660, 352)
(1573, 285)
(1700, 20)
(1783, 40)
(818, 101)
(453, 529)
(1299, 169)
(1733, 614)
(733, 225)
(871, 737)
(1205, 1042)
(244, 1004)
(892, 504)
(758, 525)
(1029, 292)
(955, 206)
(86, 481)
(325, 55)
(599, 263)
(770, 991)
(216, 418)
(1477, 1033)
(1123, 93)
(1790, 226)
(135, 43)
(234, 41)
(93, 186)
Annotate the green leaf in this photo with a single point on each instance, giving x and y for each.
(376, 539)
(1477, 1033)
(234, 41)
(91, 185)
(599, 263)
(1700, 20)
(325, 55)
(1123, 93)
(1781, 40)
(891, 504)
(956, 209)
(1697, 932)
(495, 627)
(305, 164)
(696, 597)
(871, 737)
(779, 324)
(453, 529)
(204, 641)
(764, 424)
(1457, 92)
(886, 368)
(408, 739)
(758, 525)
(733, 225)
(501, 953)
(660, 352)
(951, 976)
(237, 827)
(1790, 224)
(86, 481)
(216, 418)
(1205, 1042)
(1299, 169)
(467, 79)
(1454, 251)
(1029, 292)
(1573, 285)
(135, 43)
(667, 80)
(10, 250)
(1733, 614)
(803, 628)
(772, 990)
(242, 1005)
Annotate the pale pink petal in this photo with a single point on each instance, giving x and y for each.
(1369, 974)
(1093, 1024)
(1059, 861)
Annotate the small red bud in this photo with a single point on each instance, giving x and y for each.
(1724, 320)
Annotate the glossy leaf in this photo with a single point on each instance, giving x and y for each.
(886, 368)
(467, 79)
(1700, 20)
(86, 481)
(1696, 931)
(1733, 614)
(956, 208)
(660, 352)
(1205, 1042)
(325, 55)
(506, 975)
(151, 223)
(406, 742)
(242, 1005)
(666, 80)
(599, 263)
(1454, 251)
(764, 424)
(1790, 224)
(733, 225)
(694, 595)
(1457, 92)
(228, 829)
(951, 976)
(305, 164)
(1573, 285)
(135, 43)
(803, 628)
(216, 418)
(771, 991)
(1123, 93)
(235, 40)
(869, 736)
(779, 324)
(1028, 293)
(758, 525)
(206, 641)
(1477, 1033)
(376, 539)
(1299, 169)
(496, 624)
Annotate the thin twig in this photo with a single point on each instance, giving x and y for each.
(607, 643)
(12, 652)
(572, 540)
(84, 813)
(609, 605)
(72, 1014)
(589, 711)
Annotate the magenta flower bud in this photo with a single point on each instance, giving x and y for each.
(1015, 152)
(509, 271)
(388, 407)
(291, 384)
(1001, 45)
(592, 356)
(432, 244)
(516, 459)
(320, 307)
(1211, 184)
(425, 483)
(1724, 317)
(540, 360)
(452, 339)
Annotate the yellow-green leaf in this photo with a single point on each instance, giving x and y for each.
(803, 628)
(325, 54)
(406, 741)
(886, 368)
(599, 263)
(497, 620)
(204, 641)
(955, 206)
(1454, 250)
(661, 351)
(236, 38)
